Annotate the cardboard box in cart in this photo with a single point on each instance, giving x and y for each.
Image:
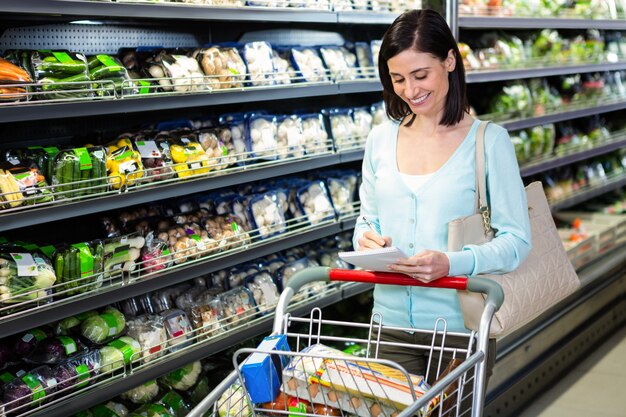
(262, 372)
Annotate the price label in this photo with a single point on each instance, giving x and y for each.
(26, 266)
(148, 149)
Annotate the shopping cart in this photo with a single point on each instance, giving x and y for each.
(321, 381)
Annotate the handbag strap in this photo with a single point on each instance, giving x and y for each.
(481, 176)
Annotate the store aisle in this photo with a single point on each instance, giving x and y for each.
(596, 387)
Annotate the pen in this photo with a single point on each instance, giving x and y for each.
(367, 222)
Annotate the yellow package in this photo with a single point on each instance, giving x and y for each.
(189, 159)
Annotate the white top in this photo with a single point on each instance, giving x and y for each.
(415, 182)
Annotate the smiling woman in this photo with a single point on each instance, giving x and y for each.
(419, 175)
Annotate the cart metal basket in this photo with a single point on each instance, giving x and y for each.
(316, 380)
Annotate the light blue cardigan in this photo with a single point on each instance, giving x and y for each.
(418, 221)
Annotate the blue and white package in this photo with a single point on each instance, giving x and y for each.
(289, 137)
(308, 64)
(314, 132)
(375, 48)
(379, 114)
(235, 124)
(362, 124)
(340, 62)
(261, 136)
(315, 203)
(266, 215)
(264, 291)
(283, 69)
(341, 195)
(262, 372)
(258, 57)
(342, 128)
(364, 59)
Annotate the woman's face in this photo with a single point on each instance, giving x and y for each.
(421, 80)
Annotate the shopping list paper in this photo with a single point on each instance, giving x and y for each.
(374, 259)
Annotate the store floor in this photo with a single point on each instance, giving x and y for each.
(595, 387)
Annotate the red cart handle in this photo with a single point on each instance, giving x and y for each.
(391, 278)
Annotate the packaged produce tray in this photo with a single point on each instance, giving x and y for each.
(579, 253)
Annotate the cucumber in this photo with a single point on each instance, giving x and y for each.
(68, 175)
(59, 263)
(77, 272)
(103, 72)
(53, 84)
(96, 174)
(93, 62)
(52, 68)
(76, 175)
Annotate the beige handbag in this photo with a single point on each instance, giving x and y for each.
(543, 279)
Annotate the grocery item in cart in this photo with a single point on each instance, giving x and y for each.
(26, 275)
(338, 381)
(308, 64)
(258, 58)
(262, 372)
(234, 402)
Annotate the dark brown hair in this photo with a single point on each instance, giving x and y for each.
(425, 31)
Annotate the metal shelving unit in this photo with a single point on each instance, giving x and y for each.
(497, 22)
(483, 76)
(589, 193)
(139, 195)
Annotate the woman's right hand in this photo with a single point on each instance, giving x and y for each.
(371, 240)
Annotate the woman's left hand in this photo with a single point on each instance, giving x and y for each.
(426, 266)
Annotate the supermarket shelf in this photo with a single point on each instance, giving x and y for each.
(516, 74)
(350, 87)
(44, 111)
(541, 166)
(589, 193)
(29, 217)
(119, 385)
(102, 9)
(524, 123)
(45, 314)
(362, 17)
(492, 22)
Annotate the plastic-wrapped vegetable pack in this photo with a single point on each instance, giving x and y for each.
(11, 196)
(264, 291)
(218, 151)
(378, 113)
(314, 133)
(119, 353)
(105, 326)
(80, 172)
(238, 305)
(363, 57)
(55, 349)
(234, 403)
(41, 157)
(79, 267)
(261, 138)
(266, 215)
(124, 166)
(340, 62)
(184, 73)
(31, 183)
(363, 124)
(150, 332)
(32, 388)
(283, 70)
(341, 190)
(236, 125)
(289, 137)
(207, 314)
(183, 378)
(258, 58)
(154, 150)
(314, 202)
(308, 64)
(155, 255)
(121, 253)
(25, 275)
(175, 404)
(189, 157)
(14, 71)
(223, 66)
(142, 394)
(342, 128)
(25, 344)
(77, 372)
(109, 75)
(62, 74)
